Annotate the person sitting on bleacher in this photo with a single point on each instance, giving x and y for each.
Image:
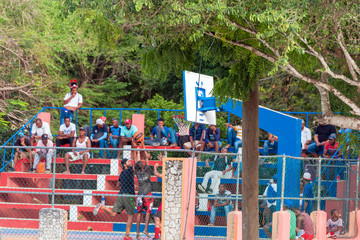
(72, 101)
(272, 142)
(269, 205)
(222, 164)
(127, 134)
(113, 137)
(163, 135)
(331, 148)
(21, 153)
(44, 153)
(99, 135)
(234, 136)
(197, 133)
(80, 143)
(222, 203)
(67, 132)
(212, 138)
(321, 137)
(38, 129)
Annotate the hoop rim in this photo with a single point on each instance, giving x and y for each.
(179, 116)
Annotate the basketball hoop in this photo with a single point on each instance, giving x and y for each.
(182, 124)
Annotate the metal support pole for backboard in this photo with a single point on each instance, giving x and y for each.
(283, 183)
(319, 185)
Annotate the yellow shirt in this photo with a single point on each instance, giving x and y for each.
(238, 130)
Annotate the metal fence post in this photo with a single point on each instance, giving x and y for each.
(237, 184)
(357, 186)
(53, 180)
(283, 183)
(319, 185)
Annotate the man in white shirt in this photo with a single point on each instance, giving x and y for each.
(67, 132)
(42, 153)
(38, 129)
(72, 101)
(305, 136)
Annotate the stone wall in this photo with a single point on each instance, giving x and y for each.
(53, 224)
(172, 199)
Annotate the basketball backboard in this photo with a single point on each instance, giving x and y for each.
(196, 87)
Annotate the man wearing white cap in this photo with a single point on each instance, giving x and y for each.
(99, 135)
(307, 193)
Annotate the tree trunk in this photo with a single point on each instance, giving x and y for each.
(250, 174)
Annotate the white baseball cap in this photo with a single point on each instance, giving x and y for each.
(99, 121)
(307, 176)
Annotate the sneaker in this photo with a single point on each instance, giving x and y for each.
(96, 209)
(210, 191)
(201, 188)
(32, 170)
(47, 171)
(156, 239)
(156, 144)
(11, 169)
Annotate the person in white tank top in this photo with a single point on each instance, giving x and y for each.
(79, 153)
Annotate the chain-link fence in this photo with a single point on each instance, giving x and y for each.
(88, 187)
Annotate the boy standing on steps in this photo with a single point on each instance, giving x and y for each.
(126, 181)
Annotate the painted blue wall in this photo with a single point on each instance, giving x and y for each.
(288, 130)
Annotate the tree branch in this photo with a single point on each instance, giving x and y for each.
(18, 87)
(349, 60)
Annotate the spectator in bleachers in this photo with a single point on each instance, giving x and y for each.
(38, 129)
(271, 142)
(334, 225)
(234, 136)
(72, 101)
(308, 193)
(304, 224)
(305, 136)
(321, 136)
(162, 135)
(270, 205)
(113, 137)
(67, 132)
(144, 204)
(42, 153)
(331, 148)
(287, 206)
(197, 133)
(212, 138)
(127, 134)
(21, 153)
(222, 164)
(126, 182)
(99, 135)
(79, 143)
(222, 203)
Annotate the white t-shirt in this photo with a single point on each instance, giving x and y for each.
(74, 102)
(45, 128)
(274, 186)
(68, 130)
(334, 224)
(305, 136)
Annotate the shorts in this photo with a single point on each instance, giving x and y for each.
(306, 236)
(158, 213)
(27, 154)
(144, 205)
(188, 144)
(80, 156)
(127, 203)
(312, 148)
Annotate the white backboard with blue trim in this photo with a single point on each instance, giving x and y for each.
(197, 85)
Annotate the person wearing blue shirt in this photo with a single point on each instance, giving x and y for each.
(126, 135)
(162, 132)
(307, 193)
(212, 138)
(113, 137)
(99, 135)
(197, 133)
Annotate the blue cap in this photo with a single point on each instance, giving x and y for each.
(21, 134)
(275, 177)
(288, 203)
